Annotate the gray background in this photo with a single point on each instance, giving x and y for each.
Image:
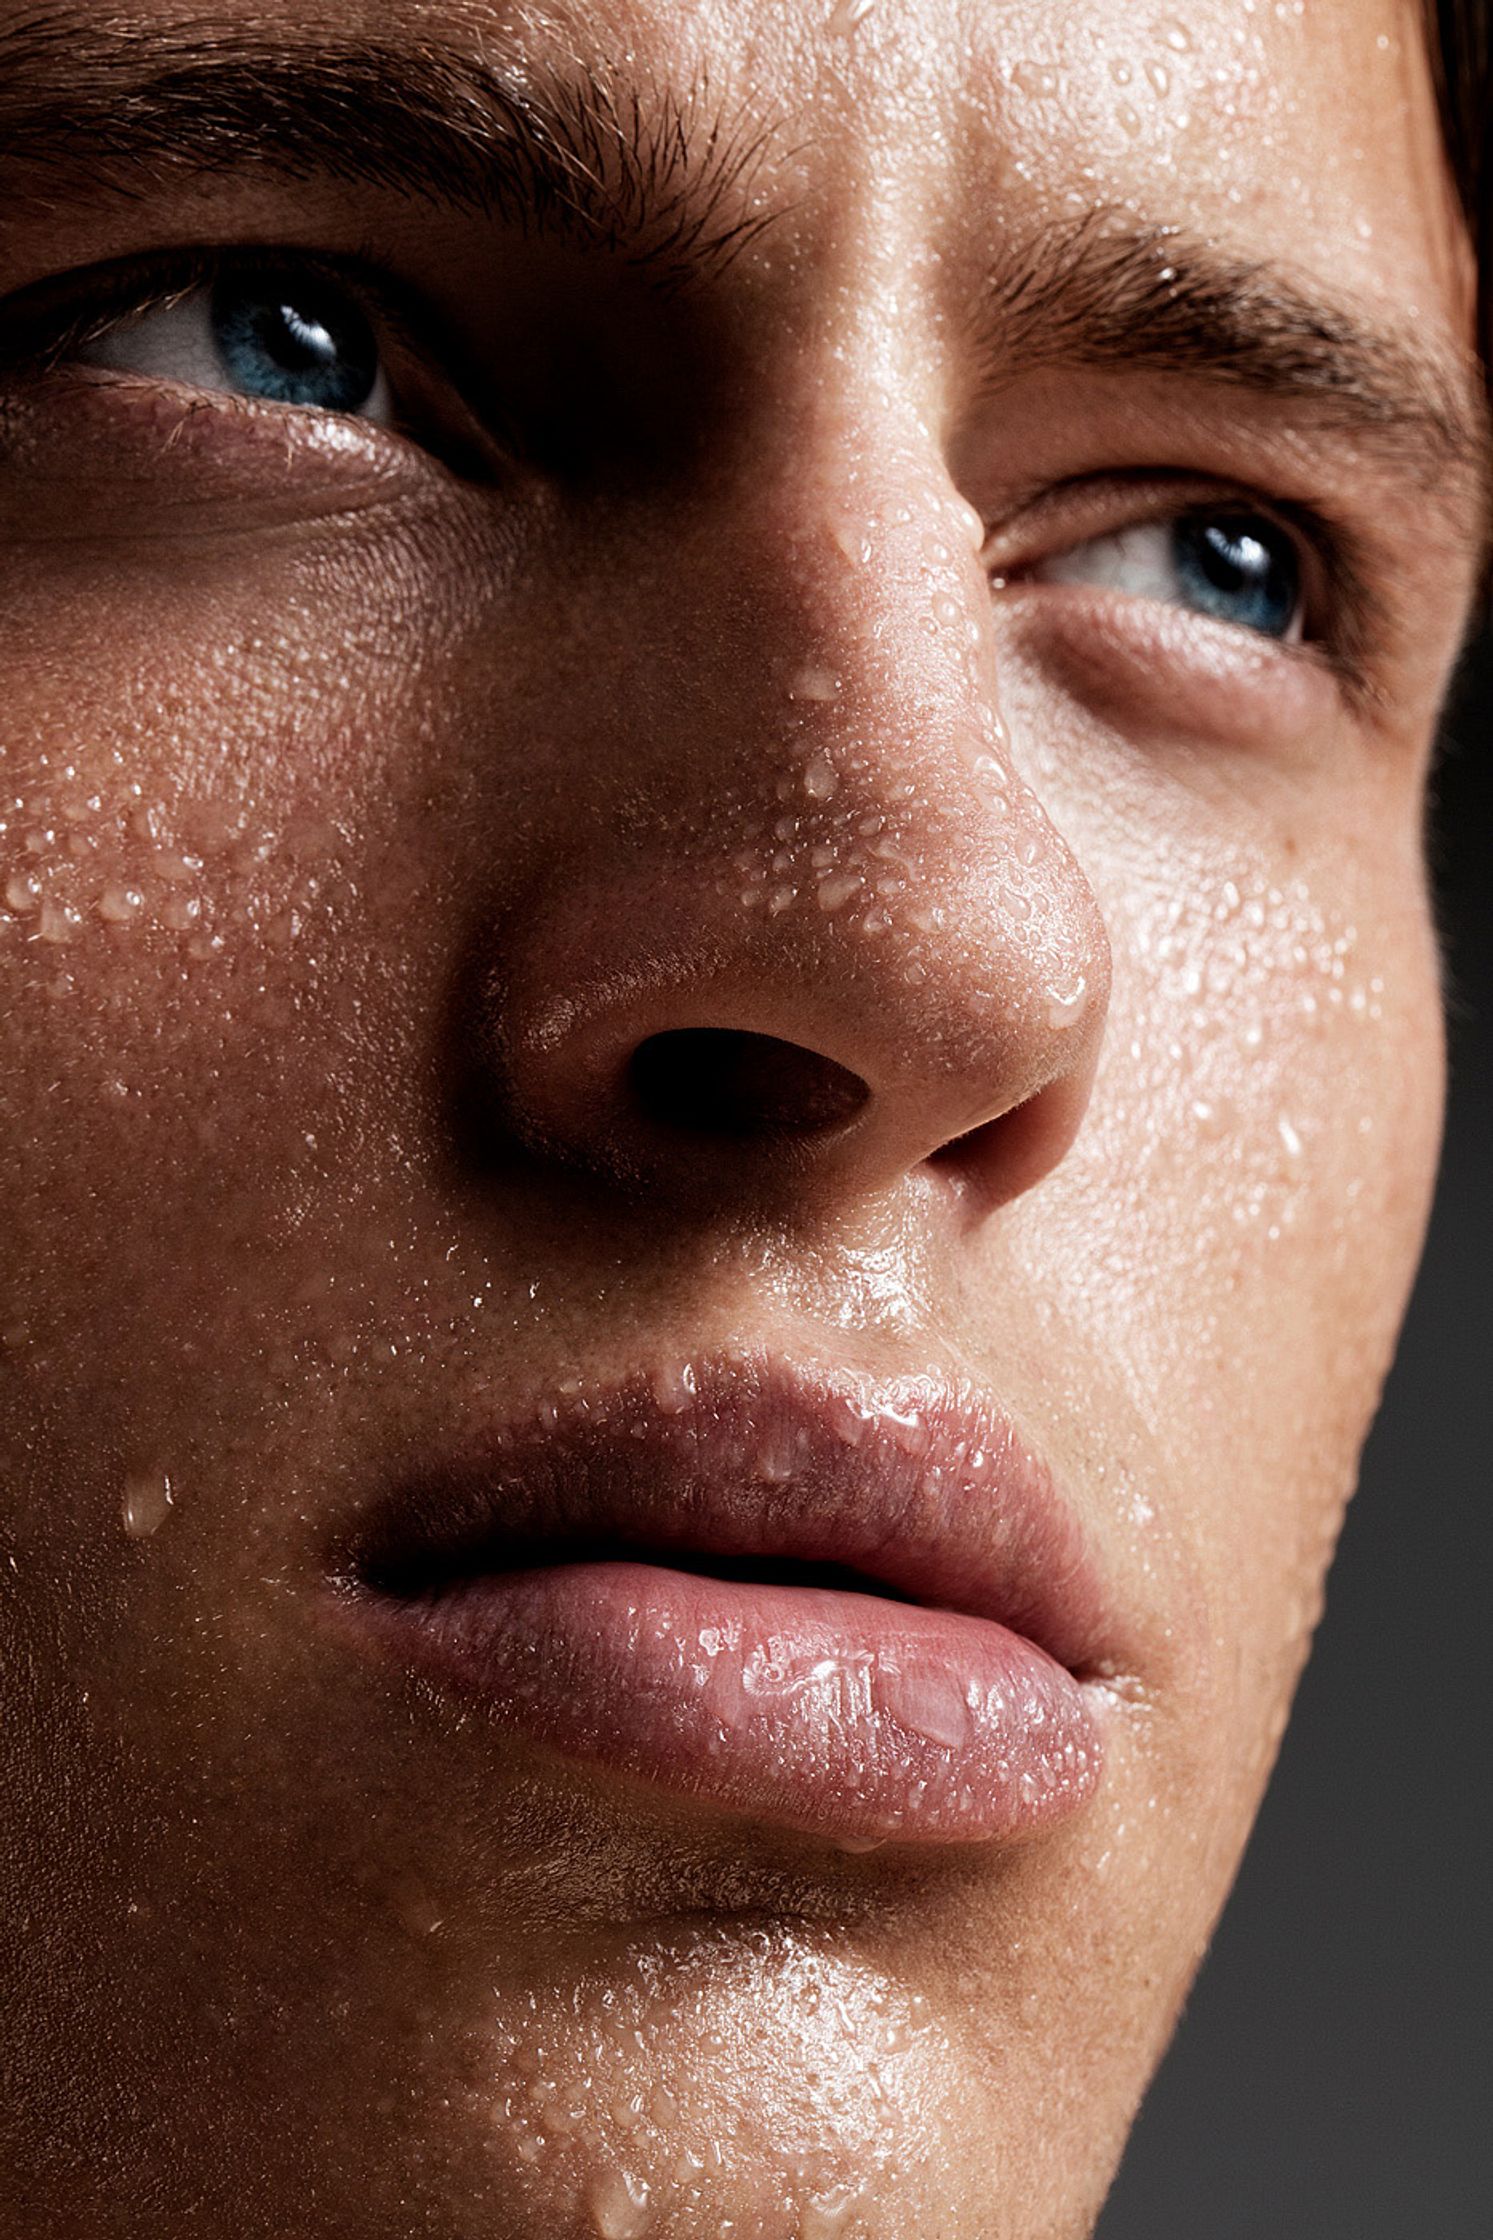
(1331, 2079)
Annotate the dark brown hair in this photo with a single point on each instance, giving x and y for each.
(1462, 62)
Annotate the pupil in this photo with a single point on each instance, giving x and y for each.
(294, 340)
(1242, 570)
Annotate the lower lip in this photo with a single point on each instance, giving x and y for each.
(844, 1716)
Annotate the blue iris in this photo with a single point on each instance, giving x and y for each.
(1241, 568)
(295, 340)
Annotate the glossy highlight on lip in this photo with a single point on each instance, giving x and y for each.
(855, 1609)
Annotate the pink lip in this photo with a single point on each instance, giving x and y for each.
(859, 1610)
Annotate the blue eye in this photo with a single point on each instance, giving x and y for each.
(1237, 567)
(295, 341)
(291, 336)
(1242, 570)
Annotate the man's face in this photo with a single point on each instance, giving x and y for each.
(664, 874)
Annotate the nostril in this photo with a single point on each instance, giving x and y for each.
(723, 1081)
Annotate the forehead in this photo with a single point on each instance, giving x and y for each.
(1308, 130)
(1281, 128)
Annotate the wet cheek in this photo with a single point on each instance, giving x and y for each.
(181, 797)
(1242, 1217)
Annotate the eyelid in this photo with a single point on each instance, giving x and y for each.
(45, 325)
(1343, 611)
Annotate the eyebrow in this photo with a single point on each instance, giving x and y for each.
(666, 180)
(85, 108)
(1106, 295)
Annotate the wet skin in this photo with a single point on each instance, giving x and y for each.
(706, 631)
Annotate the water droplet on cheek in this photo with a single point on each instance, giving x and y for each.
(827, 2216)
(23, 892)
(815, 682)
(174, 867)
(835, 893)
(120, 906)
(1037, 80)
(58, 922)
(821, 779)
(145, 1504)
(618, 2203)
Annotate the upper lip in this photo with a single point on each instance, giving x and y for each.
(921, 1488)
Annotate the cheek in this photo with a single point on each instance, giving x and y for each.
(1240, 1223)
(185, 828)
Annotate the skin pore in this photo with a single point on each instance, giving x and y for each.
(746, 601)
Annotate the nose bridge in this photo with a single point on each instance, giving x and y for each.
(841, 868)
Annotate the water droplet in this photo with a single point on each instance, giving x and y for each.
(1127, 116)
(835, 893)
(58, 922)
(419, 1912)
(23, 891)
(1121, 71)
(1065, 1010)
(174, 867)
(827, 2215)
(847, 15)
(1290, 1138)
(120, 906)
(1038, 80)
(1176, 36)
(1160, 79)
(619, 2205)
(814, 682)
(821, 779)
(145, 1503)
(673, 1387)
(968, 522)
(931, 1704)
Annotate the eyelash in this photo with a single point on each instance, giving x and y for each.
(46, 325)
(1342, 619)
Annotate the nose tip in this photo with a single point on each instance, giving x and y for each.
(644, 1027)
(729, 1083)
(811, 936)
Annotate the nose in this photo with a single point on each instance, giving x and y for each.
(812, 935)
